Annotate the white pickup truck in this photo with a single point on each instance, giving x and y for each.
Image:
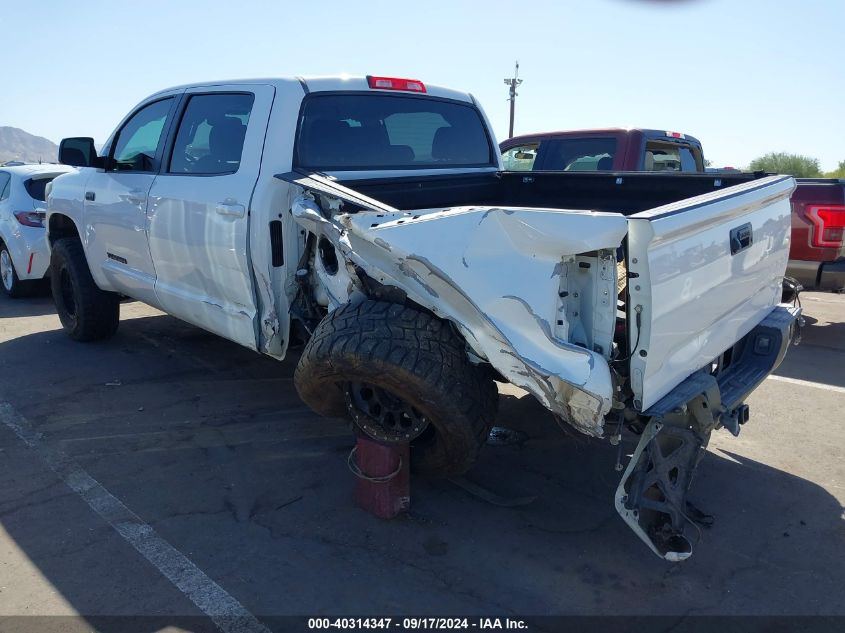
(369, 219)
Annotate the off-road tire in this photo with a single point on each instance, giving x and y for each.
(17, 288)
(86, 312)
(413, 355)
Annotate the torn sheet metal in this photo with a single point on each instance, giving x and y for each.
(495, 273)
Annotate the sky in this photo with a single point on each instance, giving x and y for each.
(746, 77)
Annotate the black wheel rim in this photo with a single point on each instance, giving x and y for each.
(382, 415)
(66, 287)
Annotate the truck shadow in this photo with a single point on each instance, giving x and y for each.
(209, 444)
(819, 356)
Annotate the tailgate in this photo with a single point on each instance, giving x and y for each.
(702, 273)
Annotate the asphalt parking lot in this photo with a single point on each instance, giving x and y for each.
(204, 447)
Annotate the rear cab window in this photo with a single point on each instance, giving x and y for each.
(668, 156)
(371, 131)
(520, 157)
(579, 154)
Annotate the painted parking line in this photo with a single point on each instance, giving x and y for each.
(807, 383)
(225, 611)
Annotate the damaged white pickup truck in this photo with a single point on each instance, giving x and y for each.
(369, 219)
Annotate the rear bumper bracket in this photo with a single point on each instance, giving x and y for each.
(652, 495)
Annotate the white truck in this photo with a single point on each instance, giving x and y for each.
(369, 219)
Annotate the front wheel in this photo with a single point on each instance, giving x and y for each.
(86, 312)
(403, 376)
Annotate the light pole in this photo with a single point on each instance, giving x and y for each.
(513, 82)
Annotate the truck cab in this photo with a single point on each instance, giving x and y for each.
(610, 149)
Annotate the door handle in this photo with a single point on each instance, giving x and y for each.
(230, 208)
(741, 238)
(90, 196)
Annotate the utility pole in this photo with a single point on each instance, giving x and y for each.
(513, 82)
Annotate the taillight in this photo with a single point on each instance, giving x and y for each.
(393, 83)
(30, 218)
(828, 224)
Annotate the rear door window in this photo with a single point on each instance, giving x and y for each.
(211, 134)
(579, 154)
(377, 131)
(5, 179)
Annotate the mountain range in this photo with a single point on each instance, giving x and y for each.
(16, 144)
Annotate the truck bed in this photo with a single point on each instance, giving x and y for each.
(707, 252)
(620, 192)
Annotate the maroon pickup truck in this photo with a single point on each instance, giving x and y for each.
(611, 149)
(817, 252)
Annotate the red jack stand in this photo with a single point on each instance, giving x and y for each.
(383, 487)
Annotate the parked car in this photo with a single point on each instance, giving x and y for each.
(24, 252)
(370, 219)
(610, 149)
(817, 251)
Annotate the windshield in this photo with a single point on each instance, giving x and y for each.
(377, 131)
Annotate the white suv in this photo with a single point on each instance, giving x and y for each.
(24, 253)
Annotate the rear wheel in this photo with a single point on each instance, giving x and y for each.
(403, 376)
(86, 312)
(9, 281)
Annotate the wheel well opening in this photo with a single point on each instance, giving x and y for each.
(328, 256)
(61, 226)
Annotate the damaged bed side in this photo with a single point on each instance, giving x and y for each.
(534, 294)
(497, 274)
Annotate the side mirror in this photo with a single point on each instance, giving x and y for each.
(79, 152)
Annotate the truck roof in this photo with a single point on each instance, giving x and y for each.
(615, 131)
(334, 83)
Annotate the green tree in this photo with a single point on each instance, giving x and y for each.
(784, 163)
(839, 172)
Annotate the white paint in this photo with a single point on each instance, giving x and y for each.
(808, 383)
(197, 229)
(698, 299)
(22, 241)
(225, 611)
(509, 278)
(496, 273)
